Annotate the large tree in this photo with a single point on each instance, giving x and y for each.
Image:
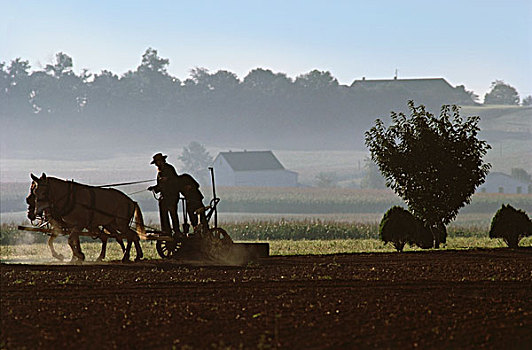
(433, 163)
(196, 159)
(317, 80)
(527, 101)
(501, 94)
(15, 90)
(372, 176)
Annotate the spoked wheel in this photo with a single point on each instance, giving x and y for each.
(220, 236)
(168, 249)
(216, 244)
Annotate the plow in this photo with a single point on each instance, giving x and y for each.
(207, 243)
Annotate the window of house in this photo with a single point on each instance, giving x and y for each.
(501, 189)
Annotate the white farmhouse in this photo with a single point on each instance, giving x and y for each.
(502, 183)
(252, 168)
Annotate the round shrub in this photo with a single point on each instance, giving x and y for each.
(511, 225)
(399, 227)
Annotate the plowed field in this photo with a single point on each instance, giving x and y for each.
(433, 299)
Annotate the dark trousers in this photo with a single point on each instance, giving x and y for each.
(192, 206)
(167, 210)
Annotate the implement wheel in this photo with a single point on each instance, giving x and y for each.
(168, 249)
(219, 236)
(216, 244)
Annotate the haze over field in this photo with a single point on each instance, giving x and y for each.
(246, 75)
(469, 43)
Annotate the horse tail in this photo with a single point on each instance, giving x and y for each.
(139, 221)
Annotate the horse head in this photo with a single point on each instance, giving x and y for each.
(39, 196)
(30, 201)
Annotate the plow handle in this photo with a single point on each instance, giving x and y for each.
(211, 169)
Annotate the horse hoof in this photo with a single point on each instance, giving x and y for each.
(59, 257)
(99, 259)
(125, 259)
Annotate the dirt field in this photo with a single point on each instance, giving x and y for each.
(433, 299)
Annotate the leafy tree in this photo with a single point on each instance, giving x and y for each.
(150, 89)
(317, 80)
(61, 91)
(196, 160)
(266, 82)
(460, 89)
(16, 88)
(223, 80)
(372, 177)
(501, 94)
(527, 101)
(63, 65)
(152, 63)
(433, 163)
(18, 69)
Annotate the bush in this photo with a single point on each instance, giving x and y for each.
(399, 227)
(511, 225)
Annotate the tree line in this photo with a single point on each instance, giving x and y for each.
(263, 109)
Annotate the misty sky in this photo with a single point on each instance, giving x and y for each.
(469, 42)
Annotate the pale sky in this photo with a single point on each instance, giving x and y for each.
(467, 42)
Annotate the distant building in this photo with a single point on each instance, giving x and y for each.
(252, 168)
(420, 87)
(502, 183)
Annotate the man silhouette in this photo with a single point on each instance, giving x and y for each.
(189, 188)
(167, 186)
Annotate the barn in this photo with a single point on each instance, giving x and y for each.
(252, 168)
(426, 88)
(497, 182)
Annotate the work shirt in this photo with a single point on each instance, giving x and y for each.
(167, 181)
(189, 187)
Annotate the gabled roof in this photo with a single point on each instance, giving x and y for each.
(410, 84)
(251, 160)
(420, 87)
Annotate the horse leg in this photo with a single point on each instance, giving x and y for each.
(125, 258)
(113, 233)
(73, 241)
(51, 240)
(73, 247)
(138, 248)
(120, 241)
(104, 238)
(132, 236)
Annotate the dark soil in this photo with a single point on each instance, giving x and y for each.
(433, 299)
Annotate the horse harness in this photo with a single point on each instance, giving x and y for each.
(70, 203)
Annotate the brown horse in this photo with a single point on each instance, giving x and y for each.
(60, 228)
(79, 207)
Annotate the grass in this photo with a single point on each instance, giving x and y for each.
(295, 228)
(39, 252)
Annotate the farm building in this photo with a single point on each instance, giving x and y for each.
(420, 87)
(497, 182)
(252, 168)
